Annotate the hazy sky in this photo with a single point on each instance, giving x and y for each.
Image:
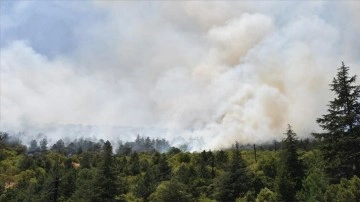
(220, 70)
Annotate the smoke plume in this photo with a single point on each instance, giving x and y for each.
(216, 71)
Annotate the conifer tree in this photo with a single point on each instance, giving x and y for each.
(43, 145)
(340, 141)
(146, 184)
(33, 146)
(235, 182)
(163, 168)
(134, 164)
(105, 184)
(290, 171)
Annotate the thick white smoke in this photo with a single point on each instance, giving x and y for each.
(220, 71)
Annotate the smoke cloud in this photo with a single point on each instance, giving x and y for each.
(216, 71)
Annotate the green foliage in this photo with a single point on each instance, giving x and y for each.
(184, 158)
(204, 198)
(170, 191)
(235, 182)
(249, 196)
(346, 191)
(268, 166)
(162, 170)
(221, 159)
(340, 141)
(85, 182)
(68, 183)
(173, 151)
(134, 164)
(314, 186)
(96, 174)
(266, 195)
(185, 173)
(85, 160)
(105, 182)
(315, 182)
(59, 147)
(290, 169)
(146, 185)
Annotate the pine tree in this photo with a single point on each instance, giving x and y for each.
(106, 187)
(235, 182)
(43, 145)
(203, 171)
(340, 143)
(290, 169)
(163, 169)
(85, 184)
(134, 164)
(33, 146)
(221, 159)
(146, 184)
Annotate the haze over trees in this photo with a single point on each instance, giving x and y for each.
(326, 168)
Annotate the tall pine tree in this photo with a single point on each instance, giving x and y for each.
(236, 182)
(290, 169)
(105, 183)
(340, 141)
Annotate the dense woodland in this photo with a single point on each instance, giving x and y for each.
(325, 167)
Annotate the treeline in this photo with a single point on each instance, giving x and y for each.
(78, 146)
(323, 169)
(291, 172)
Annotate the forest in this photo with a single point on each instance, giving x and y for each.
(323, 167)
